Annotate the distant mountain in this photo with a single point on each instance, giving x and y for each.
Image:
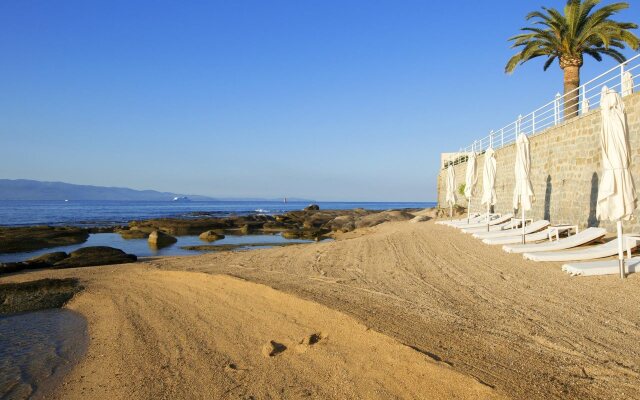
(24, 189)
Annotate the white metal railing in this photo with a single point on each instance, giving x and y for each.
(551, 114)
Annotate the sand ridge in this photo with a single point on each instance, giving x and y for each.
(178, 335)
(526, 328)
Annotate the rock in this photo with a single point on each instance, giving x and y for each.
(19, 239)
(6, 268)
(276, 227)
(312, 207)
(246, 229)
(343, 223)
(195, 226)
(46, 260)
(309, 234)
(133, 234)
(385, 216)
(161, 239)
(36, 295)
(419, 218)
(95, 255)
(229, 247)
(210, 236)
(104, 229)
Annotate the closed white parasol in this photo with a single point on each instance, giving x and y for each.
(489, 181)
(523, 191)
(451, 191)
(617, 199)
(470, 181)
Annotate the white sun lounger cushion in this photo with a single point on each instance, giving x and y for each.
(492, 228)
(534, 227)
(584, 237)
(590, 253)
(530, 238)
(459, 220)
(606, 267)
(472, 220)
(495, 221)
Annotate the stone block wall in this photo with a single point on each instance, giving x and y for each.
(565, 171)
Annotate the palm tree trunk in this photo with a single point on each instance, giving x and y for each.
(571, 92)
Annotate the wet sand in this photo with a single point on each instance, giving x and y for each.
(385, 303)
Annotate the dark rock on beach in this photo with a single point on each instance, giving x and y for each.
(36, 295)
(133, 234)
(195, 226)
(19, 239)
(6, 268)
(161, 239)
(312, 207)
(95, 255)
(46, 260)
(343, 223)
(211, 236)
(228, 247)
(385, 216)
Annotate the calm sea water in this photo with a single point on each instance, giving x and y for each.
(141, 248)
(97, 213)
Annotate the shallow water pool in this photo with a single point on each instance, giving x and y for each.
(37, 349)
(141, 248)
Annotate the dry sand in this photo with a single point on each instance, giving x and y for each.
(164, 329)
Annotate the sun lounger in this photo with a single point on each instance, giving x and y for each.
(515, 239)
(513, 223)
(606, 267)
(584, 237)
(589, 253)
(496, 221)
(463, 221)
(531, 228)
(459, 220)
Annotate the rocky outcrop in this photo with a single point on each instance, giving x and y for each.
(343, 223)
(211, 236)
(228, 247)
(195, 226)
(161, 239)
(385, 216)
(95, 255)
(36, 295)
(133, 234)
(46, 260)
(7, 268)
(19, 239)
(312, 207)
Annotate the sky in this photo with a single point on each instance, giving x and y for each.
(330, 100)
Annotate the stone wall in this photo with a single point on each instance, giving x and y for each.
(565, 171)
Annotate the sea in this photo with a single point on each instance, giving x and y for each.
(105, 213)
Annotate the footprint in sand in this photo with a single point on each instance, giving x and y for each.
(309, 341)
(233, 367)
(273, 348)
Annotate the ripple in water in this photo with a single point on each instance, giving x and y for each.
(37, 349)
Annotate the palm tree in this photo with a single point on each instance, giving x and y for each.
(581, 30)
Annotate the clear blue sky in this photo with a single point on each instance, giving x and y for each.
(330, 100)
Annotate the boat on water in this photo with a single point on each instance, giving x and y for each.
(181, 199)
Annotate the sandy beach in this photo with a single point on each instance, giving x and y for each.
(400, 310)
